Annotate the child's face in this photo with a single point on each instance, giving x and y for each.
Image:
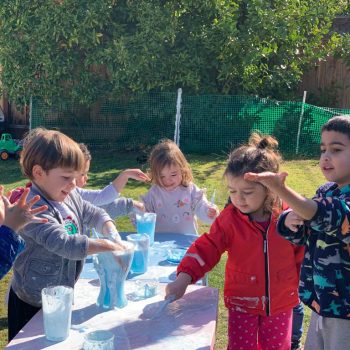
(247, 196)
(171, 177)
(83, 177)
(56, 183)
(335, 157)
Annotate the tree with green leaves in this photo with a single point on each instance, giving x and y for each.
(88, 50)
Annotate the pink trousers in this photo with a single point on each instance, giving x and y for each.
(253, 332)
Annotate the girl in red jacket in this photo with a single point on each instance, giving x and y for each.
(262, 269)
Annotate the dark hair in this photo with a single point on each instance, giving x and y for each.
(166, 153)
(259, 155)
(339, 123)
(85, 150)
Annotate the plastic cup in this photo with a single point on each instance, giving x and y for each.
(112, 269)
(57, 311)
(140, 260)
(146, 288)
(99, 340)
(175, 255)
(146, 223)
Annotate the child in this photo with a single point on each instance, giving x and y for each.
(54, 251)
(174, 197)
(322, 225)
(297, 319)
(108, 198)
(12, 218)
(262, 269)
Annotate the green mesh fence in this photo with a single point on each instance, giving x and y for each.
(127, 124)
(208, 124)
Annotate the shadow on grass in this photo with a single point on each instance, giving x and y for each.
(3, 323)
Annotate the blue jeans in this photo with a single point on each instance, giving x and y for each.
(297, 328)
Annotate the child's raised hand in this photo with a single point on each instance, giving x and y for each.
(268, 179)
(293, 221)
(178, 287)
(20, 213)
(136, 174)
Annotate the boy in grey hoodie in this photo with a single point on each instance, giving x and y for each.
(54, 251)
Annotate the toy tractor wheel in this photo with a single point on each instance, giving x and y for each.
(4, 155)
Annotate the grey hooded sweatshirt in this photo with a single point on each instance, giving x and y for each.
(52, 256)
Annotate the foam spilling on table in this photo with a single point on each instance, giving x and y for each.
(112, 269)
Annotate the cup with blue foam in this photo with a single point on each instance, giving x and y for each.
(146, 223)
(141, 243)
(112, 268)
(57, 311)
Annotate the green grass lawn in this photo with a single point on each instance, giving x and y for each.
(304, 176)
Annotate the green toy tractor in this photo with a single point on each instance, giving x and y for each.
(9, 147)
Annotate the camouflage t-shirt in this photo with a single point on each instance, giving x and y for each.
(325, 273)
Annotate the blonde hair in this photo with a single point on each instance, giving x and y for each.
(50, 149)
(259, 155)
(167, 153)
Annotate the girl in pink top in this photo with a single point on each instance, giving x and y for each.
(174, 197)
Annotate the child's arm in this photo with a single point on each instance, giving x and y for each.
(293, 221)
(179, 286)
(97, 218)
(290, 227)
(103, 245)
(99, 197)
(204, 253)
(122, 206)
(53, 234)
(304, 207)
(54, 238)
(325, 213)
(203, 209)
(136, 174)
(112, 191)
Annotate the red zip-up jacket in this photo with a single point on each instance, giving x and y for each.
(262, 268)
